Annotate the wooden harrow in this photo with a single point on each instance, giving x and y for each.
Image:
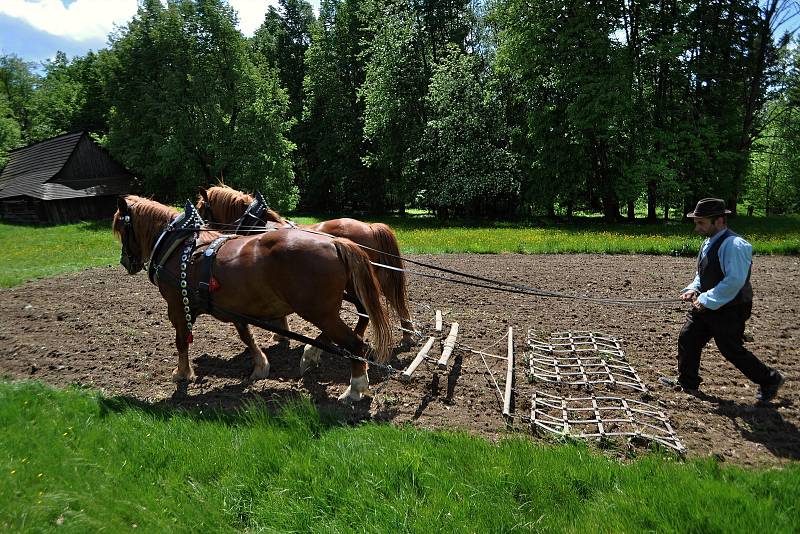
(448, 346)
(591, 362)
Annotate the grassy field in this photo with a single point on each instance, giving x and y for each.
(78, 461)
(33, 252)
(426, 235)
(38, 251)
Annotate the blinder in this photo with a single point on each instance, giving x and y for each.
(253, 221)
(207, 212)
(131, 251)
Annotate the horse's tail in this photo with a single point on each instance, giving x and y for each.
(368, 292)
(393, 281)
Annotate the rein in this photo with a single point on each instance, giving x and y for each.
(258, 206)
(493, 283)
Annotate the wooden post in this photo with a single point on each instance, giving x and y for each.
(449, 345)
(406, 376)
(438, 320)
(509, 374)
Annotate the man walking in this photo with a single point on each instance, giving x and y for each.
(722, 299)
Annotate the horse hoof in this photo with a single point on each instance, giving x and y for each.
(310, 359)
(180, 378)
(350, 396)
(355, 391)
(260, 373)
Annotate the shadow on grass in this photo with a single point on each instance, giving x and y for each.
(308, 397)
(231, 405)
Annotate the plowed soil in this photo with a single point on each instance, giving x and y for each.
(105, 329)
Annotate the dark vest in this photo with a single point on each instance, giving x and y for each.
(711, 274)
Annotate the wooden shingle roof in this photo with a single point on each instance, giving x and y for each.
(36, 171)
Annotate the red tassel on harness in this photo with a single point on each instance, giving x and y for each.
(189, 338)
(213, 285)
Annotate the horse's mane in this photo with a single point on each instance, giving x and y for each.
(148, 217)
(228, 204)
(274, 216)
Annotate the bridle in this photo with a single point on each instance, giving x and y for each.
(130, 243)
(207, 213)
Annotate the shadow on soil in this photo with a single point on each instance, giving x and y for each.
(760, 423)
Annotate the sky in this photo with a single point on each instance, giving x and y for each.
(36, 29)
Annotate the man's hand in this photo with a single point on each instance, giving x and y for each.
(697, 305)
(689, 296)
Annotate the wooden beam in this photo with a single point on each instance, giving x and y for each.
(406, 376)
(449, 345)
(509, 374)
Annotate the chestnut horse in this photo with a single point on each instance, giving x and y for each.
(265, 276)
(221, 206)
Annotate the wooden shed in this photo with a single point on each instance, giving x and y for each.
(66, 178)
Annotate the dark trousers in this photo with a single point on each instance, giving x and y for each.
(726, 326)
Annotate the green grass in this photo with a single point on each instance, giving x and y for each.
(420, 234)
(29, 252)
(32, 252)
(82, 462)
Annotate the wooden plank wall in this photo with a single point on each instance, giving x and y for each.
(35, 211)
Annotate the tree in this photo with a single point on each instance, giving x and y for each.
(281, 43)
(9, 130)
(394, 93)
(733, 63)
(465, 165)
(566, 71)
(773, 181)
(409, 37)
(18, 81)
(333, 118)
(56, 101)
(190, 107)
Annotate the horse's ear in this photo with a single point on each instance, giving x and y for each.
(203, 192)
(122, 205)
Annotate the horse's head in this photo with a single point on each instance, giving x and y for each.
(137, 222)
(220, 205)
(131, 257)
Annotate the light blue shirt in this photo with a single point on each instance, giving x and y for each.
(735, 257)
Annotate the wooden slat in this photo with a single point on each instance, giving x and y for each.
(509, 374)
(438, 320)
(449, 345)
(406, 376)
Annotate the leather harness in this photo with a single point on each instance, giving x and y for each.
(183, 230)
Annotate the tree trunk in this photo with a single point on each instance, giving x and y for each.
(651, 201)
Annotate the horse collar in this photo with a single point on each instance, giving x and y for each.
(188, 220)
(170, 238)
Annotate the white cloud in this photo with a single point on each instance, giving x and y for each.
(82, 20)
(251, 13)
